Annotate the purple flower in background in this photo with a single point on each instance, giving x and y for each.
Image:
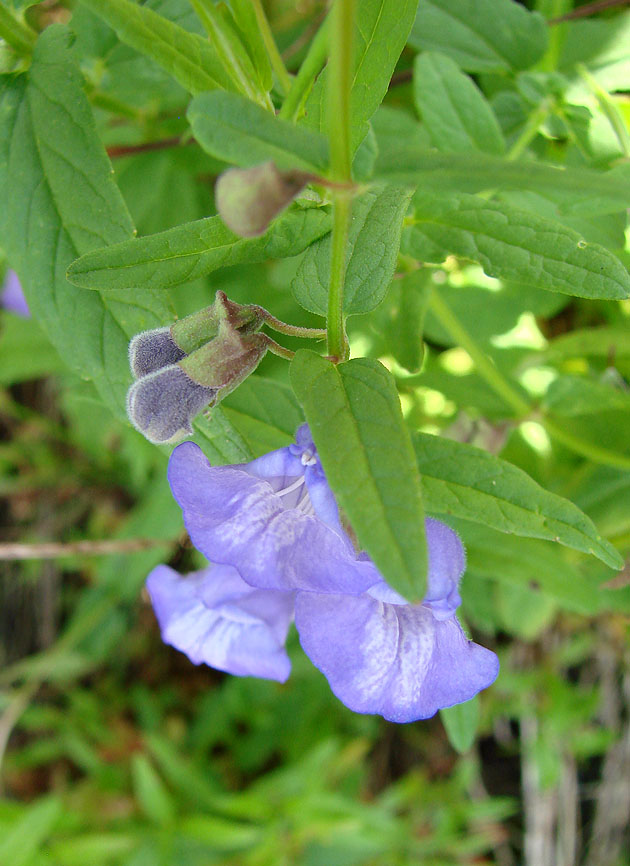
(274, 527)
(12, 297)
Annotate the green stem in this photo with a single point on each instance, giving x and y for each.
(312, 64)
(18, 35)
(338, 105)
(337, 339)
(291, 330)
(284, 79)
(530, 131)
(486, 368)
(280, 351)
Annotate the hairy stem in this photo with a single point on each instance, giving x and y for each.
(339, 89)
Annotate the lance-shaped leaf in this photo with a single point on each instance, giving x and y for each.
(517, 245)
(469, 483)
(66, 179)
(373, 243)
(453, 109)
(357, 425)
(235, 130)
(582, 191)
(192, 250)
(481, 35)
(382, 28)
(189, 58)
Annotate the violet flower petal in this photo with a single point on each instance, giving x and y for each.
(12, 296)
(215, 618)
(398, 661)
(237, 519)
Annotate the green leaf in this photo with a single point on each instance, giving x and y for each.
(469, 483)
(481, 35)
(575, 395)
(581, 191)
(219, 439)
(356, 422)
(513, 244)
(245, 18)
(156, 802)
(523, 611)
(453, 109)
(193, 250)
(264, 412)
(460, 723)
(25, 353)
(189, 58)
(382, 28)
(52, 164)
(372, 251)
(231, 128)
(530, 563)
(28, 834)
(604, 342)
(407, 302)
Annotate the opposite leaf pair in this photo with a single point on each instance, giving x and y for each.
(273, 529)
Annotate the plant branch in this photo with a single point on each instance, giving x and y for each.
(58, 550)
(18, 35)
(338, 105)
(311, 66)
(588, 9)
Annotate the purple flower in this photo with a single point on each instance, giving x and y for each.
(273, 524)
(12, 297)
(216, 618)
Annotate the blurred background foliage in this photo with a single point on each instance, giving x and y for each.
(115, 749)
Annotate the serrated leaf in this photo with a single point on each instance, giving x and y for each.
(189, 58)
(53, 165)
(373, 243)
(453, 109)
(460, 723)
(354, 415)
(231, 128)
(192, 250)
(481, 35)
(382, 28)
(513, 244)
(582, 191)
(472, 484)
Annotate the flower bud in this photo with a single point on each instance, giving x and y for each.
(249, 198)
(162, 404)
(151, 350)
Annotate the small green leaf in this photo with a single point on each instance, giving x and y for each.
(579, 191)
(25, 352)
(513, 244)
(156, 802)
(189, 58)
(481, 35)
(409, 299)
(460, 723)
(575, 395)
(26, 837)
(231, 128)
(453, 109)
(467, 482)
(372, 251)
(193, 250)
(265, 413)
(382, 28)
(604, 342)
(356, 422)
